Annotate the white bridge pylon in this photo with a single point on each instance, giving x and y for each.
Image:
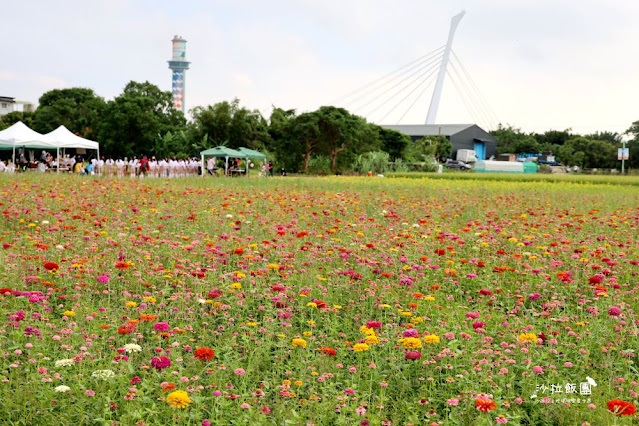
(439, 84)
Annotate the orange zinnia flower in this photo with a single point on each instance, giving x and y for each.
(485, 404)
(122, 265)
(204, 354)
(167, 387)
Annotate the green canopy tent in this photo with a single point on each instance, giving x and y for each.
(251, 153)
(222, 151)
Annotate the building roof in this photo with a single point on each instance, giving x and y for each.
(428, 129)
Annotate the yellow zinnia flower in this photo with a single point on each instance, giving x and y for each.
(178, 399)
(411, 343)
(431, 338)
(528, 337)
(299, 342)
(360, 347)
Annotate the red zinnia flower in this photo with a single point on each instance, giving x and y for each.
(238, 250)
(485, 404)
(328, 350)
(126, 329)
(204, 354)
(621, 408)
(5, 290)
(51, 266)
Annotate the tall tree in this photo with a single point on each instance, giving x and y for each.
(393, 142)
(12, 118)
(340, 131)
(227, 123)
(133, 121)
(78, 109)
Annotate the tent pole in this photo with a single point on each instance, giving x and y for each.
(57, 159)
(202, 165)
(226, 167)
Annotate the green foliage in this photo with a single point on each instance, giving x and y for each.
(319, 165)
(393, 142)
(375, 162)
(513, 141)
(79, 110)
(228, 122)
(428, 147)
(131, 123)
(12, 118)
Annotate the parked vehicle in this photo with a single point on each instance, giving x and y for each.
(457, 165)
(466, 155)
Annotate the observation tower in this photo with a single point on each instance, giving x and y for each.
(178, 64)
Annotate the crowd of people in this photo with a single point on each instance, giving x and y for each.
(133, 167)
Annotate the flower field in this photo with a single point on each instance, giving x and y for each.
(317, 301)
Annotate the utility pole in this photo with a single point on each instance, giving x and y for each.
(623, 155)
(439, 84)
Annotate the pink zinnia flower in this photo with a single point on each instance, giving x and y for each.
(103, 279)
(374, 324)
(161, 326)
(537, 369)
(614, 311)
(411, 333)
(240, 371)
(453, 401)
(413, 355)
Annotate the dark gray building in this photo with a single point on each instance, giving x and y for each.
(462, 136)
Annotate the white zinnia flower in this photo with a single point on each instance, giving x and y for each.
(103, 374)
(62, 389)
(132, 347)
(64, 362)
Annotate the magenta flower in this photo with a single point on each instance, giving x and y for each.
(160, 363)
(103, 279)
(374, 324)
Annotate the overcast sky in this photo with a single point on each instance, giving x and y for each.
(539, 64)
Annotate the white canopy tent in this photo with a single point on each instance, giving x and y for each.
(64, 138)
(21, 136)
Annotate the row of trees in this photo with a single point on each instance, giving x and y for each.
(141, 120)
(596, 150)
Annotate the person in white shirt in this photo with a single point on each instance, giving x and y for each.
(100, 168)
(133, 167)
(153, 167)
(109, 166)
(3, 167)
(120, 165)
